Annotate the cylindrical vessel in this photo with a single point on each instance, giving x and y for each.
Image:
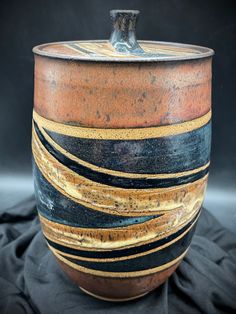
(121, 146)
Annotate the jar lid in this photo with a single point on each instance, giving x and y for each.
(122, 45)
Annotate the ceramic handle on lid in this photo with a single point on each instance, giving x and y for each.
(123, 37)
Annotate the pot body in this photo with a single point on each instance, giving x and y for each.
(121, 156)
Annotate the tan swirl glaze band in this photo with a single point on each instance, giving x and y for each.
(122, 134)
(125, 257)
(119, 173)
(121, 237)
(113, 200)
(120, 274)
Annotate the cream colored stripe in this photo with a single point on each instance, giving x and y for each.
(172, 50)
(119, 173)
(104, 198)
(111, 299)
(124, 257)
(103, 50)
(120, 274)
(122, 237)
(106, 49)
(79, 52)
(121, 134)
(131, 202)
(95, 245)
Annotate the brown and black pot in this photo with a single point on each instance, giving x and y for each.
(121, 146)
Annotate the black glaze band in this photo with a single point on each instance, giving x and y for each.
(147, 261)
(116, 181)
(169, 154)
(56, 207)
(122, 252)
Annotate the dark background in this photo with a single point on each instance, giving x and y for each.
(24, 24)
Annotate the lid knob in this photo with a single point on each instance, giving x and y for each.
(123, 36)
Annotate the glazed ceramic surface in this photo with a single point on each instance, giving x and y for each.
(121, 156)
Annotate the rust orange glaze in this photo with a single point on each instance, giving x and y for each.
(117, 95)
(118, 289)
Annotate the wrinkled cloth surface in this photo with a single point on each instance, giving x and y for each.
(32, 282)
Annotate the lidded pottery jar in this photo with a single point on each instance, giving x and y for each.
(121, 146)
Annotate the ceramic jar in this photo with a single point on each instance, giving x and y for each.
(121, 146)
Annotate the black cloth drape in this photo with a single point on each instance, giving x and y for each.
(32, 282)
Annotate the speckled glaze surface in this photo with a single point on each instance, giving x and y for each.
(121, 157)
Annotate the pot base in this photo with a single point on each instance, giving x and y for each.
(113, 299)
(117, 289)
